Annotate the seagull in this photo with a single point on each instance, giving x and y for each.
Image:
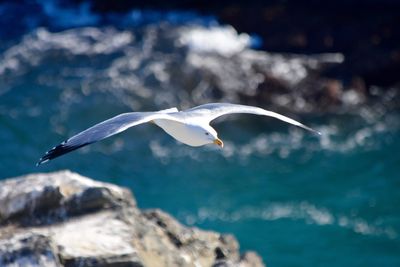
(191, 127)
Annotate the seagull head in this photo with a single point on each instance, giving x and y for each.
(212, 136)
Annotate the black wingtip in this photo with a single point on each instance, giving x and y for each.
(41, 161)
(47, 156)
(57, 151)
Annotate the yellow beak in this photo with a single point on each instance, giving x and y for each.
(219, 142)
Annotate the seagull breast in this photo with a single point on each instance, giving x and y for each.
(189, 134)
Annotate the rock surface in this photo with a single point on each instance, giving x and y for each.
(64, 219)
(149, 60)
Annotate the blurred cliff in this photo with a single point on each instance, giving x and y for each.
(363, 35)
(366, 32)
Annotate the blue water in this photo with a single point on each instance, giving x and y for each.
(296, 199)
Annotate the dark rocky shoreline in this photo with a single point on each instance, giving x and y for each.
(64, 219)
(366, 32)
(296, 37)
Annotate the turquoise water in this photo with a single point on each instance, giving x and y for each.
(289, 196)
(296, 199)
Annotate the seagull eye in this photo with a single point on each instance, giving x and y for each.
(207, 134)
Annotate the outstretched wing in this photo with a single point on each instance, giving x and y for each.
(214, 110)
(103, 130)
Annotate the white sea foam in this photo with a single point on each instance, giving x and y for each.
(35, 47)
(368, 137)
(302, 211)
(223, 40)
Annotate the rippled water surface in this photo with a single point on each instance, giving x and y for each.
(294, 198)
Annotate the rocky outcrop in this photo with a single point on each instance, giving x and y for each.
(366, 32)
(149, 59)
(64, 219)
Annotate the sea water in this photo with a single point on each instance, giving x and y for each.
(294, 198)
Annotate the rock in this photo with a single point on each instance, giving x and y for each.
(64, 219)
(155, 59)
(369, 41)
(99, 239)
(188, 70)
(28, 249)
(37, 198)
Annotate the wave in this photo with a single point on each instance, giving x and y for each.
(335, 138)
(302, 211)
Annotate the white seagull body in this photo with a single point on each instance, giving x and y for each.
(191, 127)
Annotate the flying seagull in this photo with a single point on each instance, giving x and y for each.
(191, 127)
